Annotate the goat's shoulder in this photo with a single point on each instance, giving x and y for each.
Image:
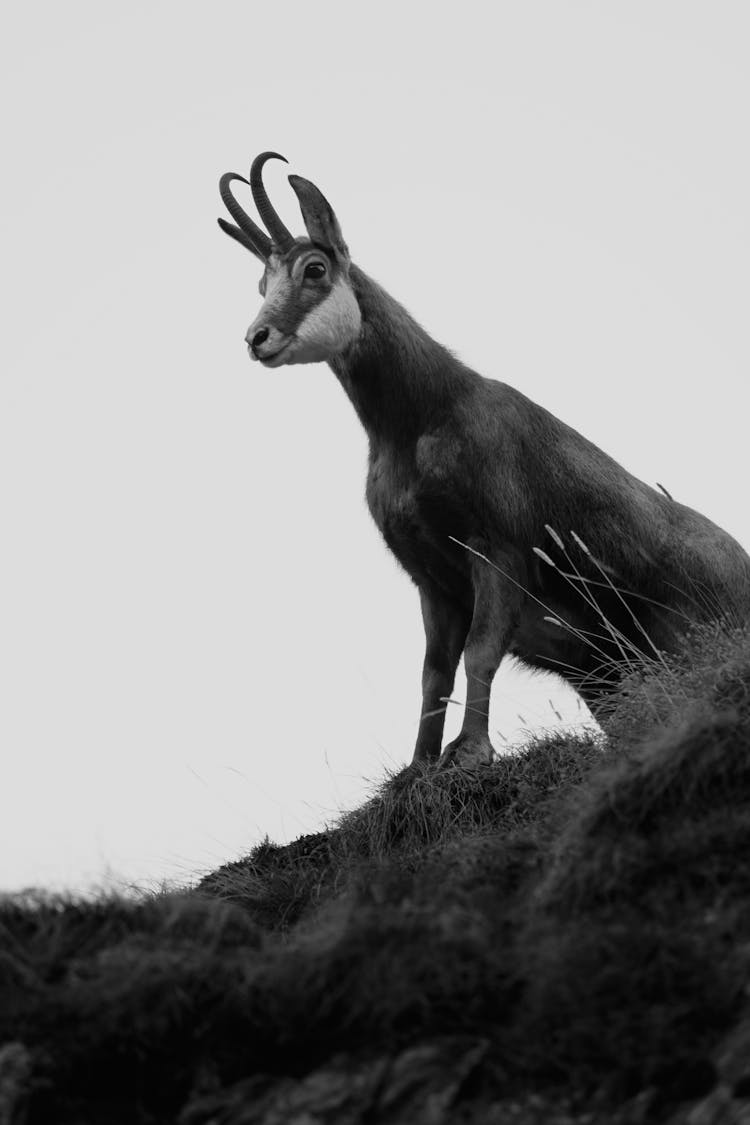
(493, 415)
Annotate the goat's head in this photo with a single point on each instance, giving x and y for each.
(309, 312)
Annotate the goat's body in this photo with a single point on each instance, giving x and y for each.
(466, 478)
(472, 459)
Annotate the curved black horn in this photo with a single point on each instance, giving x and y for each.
(240, 236)
(282, 238)
(257, 237)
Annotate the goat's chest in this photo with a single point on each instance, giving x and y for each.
(416, 516)
(395, 503)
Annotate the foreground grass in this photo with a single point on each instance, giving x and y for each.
(573, 920)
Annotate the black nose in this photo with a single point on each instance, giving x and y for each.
(260, 337)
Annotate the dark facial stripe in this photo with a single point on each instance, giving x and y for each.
(295, 303)
(291, 303)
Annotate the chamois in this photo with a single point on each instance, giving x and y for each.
(465, 477)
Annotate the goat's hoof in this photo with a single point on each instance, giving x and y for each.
(467, 752)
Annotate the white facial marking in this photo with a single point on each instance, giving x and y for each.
(277, 282)
(276, 294)
(328, 328)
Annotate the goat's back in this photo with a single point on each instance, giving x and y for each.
(528, 469)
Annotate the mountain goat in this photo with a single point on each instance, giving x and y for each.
(466, 473)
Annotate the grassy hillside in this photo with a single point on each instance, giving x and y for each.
(561, 936)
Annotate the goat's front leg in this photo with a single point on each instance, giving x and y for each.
(497, 605)
(446, 625)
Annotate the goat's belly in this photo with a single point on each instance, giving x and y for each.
(540, 642)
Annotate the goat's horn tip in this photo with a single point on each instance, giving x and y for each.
(272, 156)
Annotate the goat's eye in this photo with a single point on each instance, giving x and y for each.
(315, 270)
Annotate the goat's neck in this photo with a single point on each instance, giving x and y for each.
(400, 381)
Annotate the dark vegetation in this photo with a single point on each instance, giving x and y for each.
(561, 936)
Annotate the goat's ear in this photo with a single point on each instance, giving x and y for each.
(320, 219)
(240, 236)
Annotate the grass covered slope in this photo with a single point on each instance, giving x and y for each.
(569, 926)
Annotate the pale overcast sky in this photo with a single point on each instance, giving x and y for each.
(202, 638)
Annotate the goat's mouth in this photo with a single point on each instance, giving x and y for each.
(271, 360)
